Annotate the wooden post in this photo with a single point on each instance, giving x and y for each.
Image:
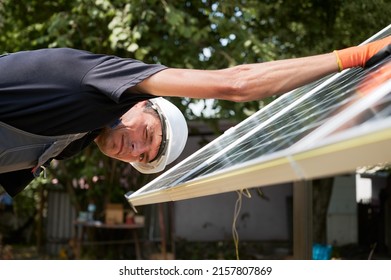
(162, 231)
(302, 220)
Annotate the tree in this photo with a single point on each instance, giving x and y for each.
(194, 34)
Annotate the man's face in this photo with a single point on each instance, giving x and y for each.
(136, 139)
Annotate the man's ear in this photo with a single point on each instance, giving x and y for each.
(138, 107)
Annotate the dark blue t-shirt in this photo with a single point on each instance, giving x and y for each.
(62, 91)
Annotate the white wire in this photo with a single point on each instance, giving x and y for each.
(238, 206)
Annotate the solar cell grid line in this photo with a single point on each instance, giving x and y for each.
(279, 127)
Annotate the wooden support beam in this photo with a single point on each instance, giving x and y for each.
(302, 220)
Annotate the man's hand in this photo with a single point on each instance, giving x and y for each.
(365, 55)
(379, 56)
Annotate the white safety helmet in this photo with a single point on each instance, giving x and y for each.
(174, 129)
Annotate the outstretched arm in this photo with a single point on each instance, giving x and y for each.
(259, 80)
(240, 83)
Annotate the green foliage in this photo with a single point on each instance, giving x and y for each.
(193, 34)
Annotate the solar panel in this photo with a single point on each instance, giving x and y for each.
(328, 127)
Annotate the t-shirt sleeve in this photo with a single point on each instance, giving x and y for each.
(14, 182)
(115, 75)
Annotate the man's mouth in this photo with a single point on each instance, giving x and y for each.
(120, 146)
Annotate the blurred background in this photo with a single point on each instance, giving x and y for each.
(48, 220)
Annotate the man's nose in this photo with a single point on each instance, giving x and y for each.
(138, 149)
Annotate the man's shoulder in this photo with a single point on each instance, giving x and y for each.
(59, 55)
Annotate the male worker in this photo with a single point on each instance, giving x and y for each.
(55, 102)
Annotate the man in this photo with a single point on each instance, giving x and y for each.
(55, 102)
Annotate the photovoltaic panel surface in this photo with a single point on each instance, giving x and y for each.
(346, 106)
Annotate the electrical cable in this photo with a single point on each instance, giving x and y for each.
(238, 206)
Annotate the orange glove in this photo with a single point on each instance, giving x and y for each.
(358, 56)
